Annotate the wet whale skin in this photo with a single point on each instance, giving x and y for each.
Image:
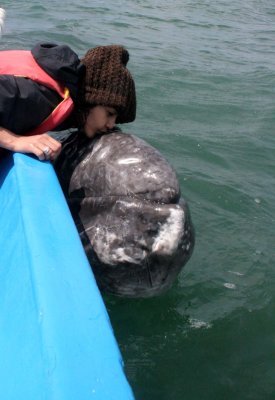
(133, 222)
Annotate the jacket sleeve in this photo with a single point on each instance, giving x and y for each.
(8, 94)
(24, 104)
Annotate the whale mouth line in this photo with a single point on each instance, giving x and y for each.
(122, 197)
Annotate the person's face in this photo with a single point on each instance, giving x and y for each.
(99, 120)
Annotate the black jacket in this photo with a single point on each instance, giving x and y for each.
(24, 104)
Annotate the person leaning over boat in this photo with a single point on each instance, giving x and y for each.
(50, 88)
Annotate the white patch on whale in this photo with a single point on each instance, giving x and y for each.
(119, 255)
(129, 161)
(102, 243)
(109, 252)
(102, 155)
(151, 175)
(167, 240)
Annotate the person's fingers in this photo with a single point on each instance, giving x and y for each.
(38, 150)
(46, 147)
(42, 146)
(42, 151)
(54, 149)
(54, 144)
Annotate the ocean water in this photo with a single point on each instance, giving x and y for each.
(205, 78)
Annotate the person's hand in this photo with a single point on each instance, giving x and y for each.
(43, 146)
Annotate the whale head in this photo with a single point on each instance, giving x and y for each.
(134, 225)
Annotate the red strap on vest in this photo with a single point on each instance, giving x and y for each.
(59, 114)
(21, 63)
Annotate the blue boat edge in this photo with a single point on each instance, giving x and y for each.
(56, 338)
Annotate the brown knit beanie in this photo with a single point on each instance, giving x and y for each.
(108, 82)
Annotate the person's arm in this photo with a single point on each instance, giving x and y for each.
(17, 97)
(43, 146)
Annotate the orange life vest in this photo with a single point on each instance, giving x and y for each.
(21, 63)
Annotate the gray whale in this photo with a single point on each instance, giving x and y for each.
(134, 225)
